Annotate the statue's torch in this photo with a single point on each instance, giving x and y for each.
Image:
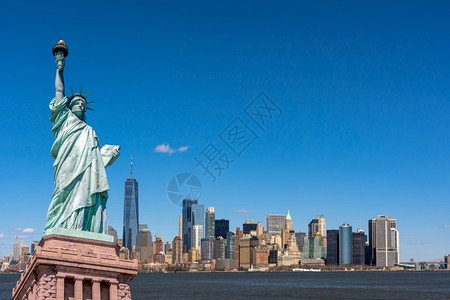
(60, 51)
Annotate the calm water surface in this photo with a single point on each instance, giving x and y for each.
(336, 285)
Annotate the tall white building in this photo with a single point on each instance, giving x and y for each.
(322, 225)
(16, 253)
(197, 235)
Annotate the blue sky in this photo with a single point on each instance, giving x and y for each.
(363, 86)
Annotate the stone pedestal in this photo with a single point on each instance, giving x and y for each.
(75, 268)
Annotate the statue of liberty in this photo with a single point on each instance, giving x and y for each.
(81, 187)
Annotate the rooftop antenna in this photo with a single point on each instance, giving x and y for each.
(131, 166)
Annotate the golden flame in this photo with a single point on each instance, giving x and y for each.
(61, 42)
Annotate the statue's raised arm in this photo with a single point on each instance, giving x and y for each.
(60, 51)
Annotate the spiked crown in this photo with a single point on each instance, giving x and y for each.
(79, 95)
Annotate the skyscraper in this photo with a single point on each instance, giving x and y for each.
(210, 223)
(222, 228)
(333, 247)
(322, 225)
(180, 225)
(231, 244)
(207, 249)
(220, 245)
(16, 253)
(130, 211)
(345, 244)
(193, 214)
(300, 237)
(259, 229)
(177, 250)
(358, 247)
(197, 236)
(275, 223)
(144, 243)
(313, 227)
(384, 241)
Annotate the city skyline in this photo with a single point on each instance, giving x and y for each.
(363, 90)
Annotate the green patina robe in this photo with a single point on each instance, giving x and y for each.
(81, 185)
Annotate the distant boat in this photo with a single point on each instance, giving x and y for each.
(305, 270)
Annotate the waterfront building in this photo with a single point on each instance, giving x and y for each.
(333, 247)
(248, 226)
(197, 236)
(130, 211)
(358, 247)
(207, 249)
(383, 241)
(222, 227)
(210, 224)
(275, 224)
(273, 256)
(447, 262)
(300, 239)
(231, 244)
(220, 245)
(177, 250)
(180, 225)
(144, 243)
(244, 253)
(260, 256)
(193, 255)
(313, 249)
(158, 246)
(193, 214)
(292, 248)
(237, 244)
(345, 244)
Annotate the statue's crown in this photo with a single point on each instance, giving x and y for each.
(79, 95)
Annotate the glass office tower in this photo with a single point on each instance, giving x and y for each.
(130, 212)
(193, 214)
(345, 244)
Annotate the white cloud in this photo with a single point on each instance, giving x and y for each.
(182, 149)
(418, 243)
(243, 211)
(18, 229)
(28, 230)
(2, 235)
(445, 226)
(165, 148)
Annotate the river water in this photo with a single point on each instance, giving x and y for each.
(323, 285)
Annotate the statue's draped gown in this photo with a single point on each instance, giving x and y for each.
(81, 185)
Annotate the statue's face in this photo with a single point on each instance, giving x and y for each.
(78, 107)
